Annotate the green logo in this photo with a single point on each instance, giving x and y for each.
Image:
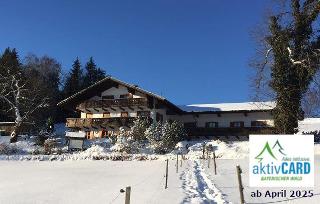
(268, 150)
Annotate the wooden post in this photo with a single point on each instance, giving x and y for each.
(166, 185)
(239, 172)
(203, 148)
(177, 164)
(128, 192)
(208, 157)
(181, 160)
(214, 163)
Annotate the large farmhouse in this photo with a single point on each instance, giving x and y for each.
(111, 103)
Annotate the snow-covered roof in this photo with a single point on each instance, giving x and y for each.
(309, 125)
(232, 107)
(106, 83)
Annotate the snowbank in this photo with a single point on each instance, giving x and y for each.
(309, 125)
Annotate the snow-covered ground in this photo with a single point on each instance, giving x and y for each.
(29, 176)
(89, 181)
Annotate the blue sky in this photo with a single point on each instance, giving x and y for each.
(188, 51)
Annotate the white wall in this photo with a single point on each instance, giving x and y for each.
(116, 92)
(226, 118)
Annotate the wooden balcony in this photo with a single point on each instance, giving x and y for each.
(99, 123)
(111, 103)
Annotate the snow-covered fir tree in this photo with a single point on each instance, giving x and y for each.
(138, 129)
(164, 137)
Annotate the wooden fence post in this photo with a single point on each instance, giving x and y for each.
(203, 150)
(128, 192)
(239, 172)
(214, 163)
(207, 154)
(177, 164)
(166, 185)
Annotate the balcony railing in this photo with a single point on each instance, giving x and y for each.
(125, 102)
(99, 122)
(227, 131)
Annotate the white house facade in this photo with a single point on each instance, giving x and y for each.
(111, 103)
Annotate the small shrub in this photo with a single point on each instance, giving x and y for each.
(8, 149)
(50, 145)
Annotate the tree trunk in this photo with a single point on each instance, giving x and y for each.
(14, 133)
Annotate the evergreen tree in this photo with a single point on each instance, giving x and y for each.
(93, 74)
(9, 62)
(9, 65)
(164, 137)
(138, 129)
(74, 80)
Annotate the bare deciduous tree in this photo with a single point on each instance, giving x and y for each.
(22, 97)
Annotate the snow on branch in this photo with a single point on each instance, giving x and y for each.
(292, 60)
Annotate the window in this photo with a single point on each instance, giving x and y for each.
(104, 133)
(106, 115)
(89, 115)
(88, 135)
(124, 96)
(143, 113)
(237, 124)
(107, 97)
(211, 124)
(124, 114)
(258, 124)
(159, 117)
(190, 125)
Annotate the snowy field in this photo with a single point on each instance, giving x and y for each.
(89, 181)
(68, 178)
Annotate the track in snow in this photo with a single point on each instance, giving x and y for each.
(198, 187)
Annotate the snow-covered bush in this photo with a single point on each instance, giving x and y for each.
(154, 135)
(124, 144)
(41, 137)
(163, 138)
(49, 145)
(172, 133)
(138, 129)
(7, 149)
